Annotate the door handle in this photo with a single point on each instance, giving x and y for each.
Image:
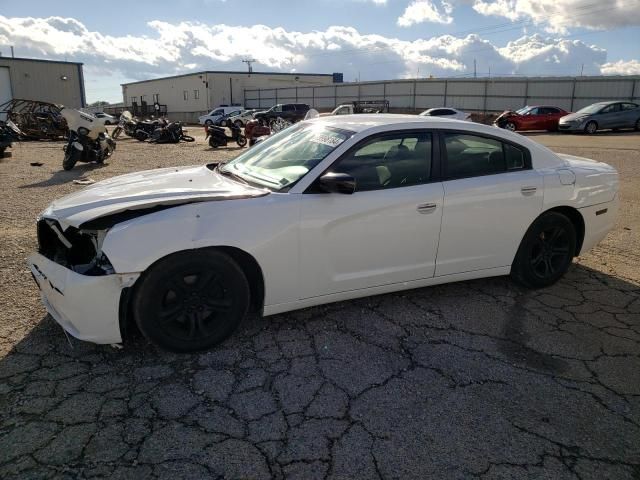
(426, 208)
(528, 190)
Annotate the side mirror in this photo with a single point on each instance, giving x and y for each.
(337, 183)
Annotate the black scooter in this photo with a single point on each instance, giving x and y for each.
(218, 137)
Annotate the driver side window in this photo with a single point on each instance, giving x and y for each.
(389, 161)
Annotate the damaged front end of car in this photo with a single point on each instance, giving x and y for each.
(78, 285)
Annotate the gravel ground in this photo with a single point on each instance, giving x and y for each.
(473, 379)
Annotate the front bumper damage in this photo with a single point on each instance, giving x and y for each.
(87, 307)
(78, 285)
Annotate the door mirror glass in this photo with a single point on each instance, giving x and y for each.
(337, 183)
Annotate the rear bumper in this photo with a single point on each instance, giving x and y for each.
(87, 307)
(598, 221)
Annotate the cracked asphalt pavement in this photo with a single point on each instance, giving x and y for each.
(473, 379)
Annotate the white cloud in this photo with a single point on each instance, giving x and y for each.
(561, 15)
(419, 11)
(621, 67)
(193, 46)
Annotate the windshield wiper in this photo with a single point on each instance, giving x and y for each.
(229, 173)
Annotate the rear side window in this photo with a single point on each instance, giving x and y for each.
(473, 156)
(629, 106)
(288, 108)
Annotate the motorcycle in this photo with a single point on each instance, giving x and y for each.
(254, 131)
(88, 139)
(218, 137)
(125, 123)
(172, 133)
(9, 133)
(144, 129)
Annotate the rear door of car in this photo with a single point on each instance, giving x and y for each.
(551, 115)
(491, 196)
(630, 113)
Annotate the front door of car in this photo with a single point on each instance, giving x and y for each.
(531, 120)
(384, 233)
(609, 116)
(491, 196)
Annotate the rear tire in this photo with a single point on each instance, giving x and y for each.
(187, 138)
(546, 251)
(591, 127)
(638, 125)
(191, 300)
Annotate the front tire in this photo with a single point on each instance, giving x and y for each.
(510, 126)
(238, 123)
(241, 140)
(638, 125)
(70, 158)
(208, 123)
(546, 251)
(591, 127)
(191, 300)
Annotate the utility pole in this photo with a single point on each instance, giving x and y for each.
(474, 69)
(249, 61)
(582, 69)
(12, 55)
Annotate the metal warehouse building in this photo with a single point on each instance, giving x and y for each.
(43, 80)
(186, 97)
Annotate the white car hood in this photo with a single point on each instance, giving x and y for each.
(165, 186)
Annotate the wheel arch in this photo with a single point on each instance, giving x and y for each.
(574, 215)
(247, 263)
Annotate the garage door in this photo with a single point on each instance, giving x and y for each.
(5, 88)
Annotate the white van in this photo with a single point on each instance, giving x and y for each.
(216, 113)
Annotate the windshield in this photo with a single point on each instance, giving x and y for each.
(283, 159)
(595, 108)
(524, 111)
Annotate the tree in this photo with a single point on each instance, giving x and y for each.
(99, 103)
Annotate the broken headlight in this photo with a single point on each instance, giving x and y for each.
(79, 250)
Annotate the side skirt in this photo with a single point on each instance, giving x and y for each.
(382, 289)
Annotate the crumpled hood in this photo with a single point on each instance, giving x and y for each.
(164, 186)
(573, 117)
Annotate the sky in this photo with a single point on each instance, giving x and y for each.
(364, 39)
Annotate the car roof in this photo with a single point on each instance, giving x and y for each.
(362, 122)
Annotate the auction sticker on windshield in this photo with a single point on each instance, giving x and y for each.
(327, 139)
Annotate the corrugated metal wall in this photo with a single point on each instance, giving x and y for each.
(47, 81)
(471, 94)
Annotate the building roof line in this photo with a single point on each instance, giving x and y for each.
(233, 72)
(2, 57)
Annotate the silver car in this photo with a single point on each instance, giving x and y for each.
(602, 115)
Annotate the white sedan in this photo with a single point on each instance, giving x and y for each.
(330, 209)
(448, 113)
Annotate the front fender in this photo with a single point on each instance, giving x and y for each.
(264, 227)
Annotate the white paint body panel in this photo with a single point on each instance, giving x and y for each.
(320, 248)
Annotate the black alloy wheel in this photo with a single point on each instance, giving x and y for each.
(546, 251)
(191, 300)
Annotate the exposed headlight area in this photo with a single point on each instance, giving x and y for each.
(78, 250)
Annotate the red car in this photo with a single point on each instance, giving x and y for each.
(531, 118)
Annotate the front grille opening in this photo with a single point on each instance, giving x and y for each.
(81, 257)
